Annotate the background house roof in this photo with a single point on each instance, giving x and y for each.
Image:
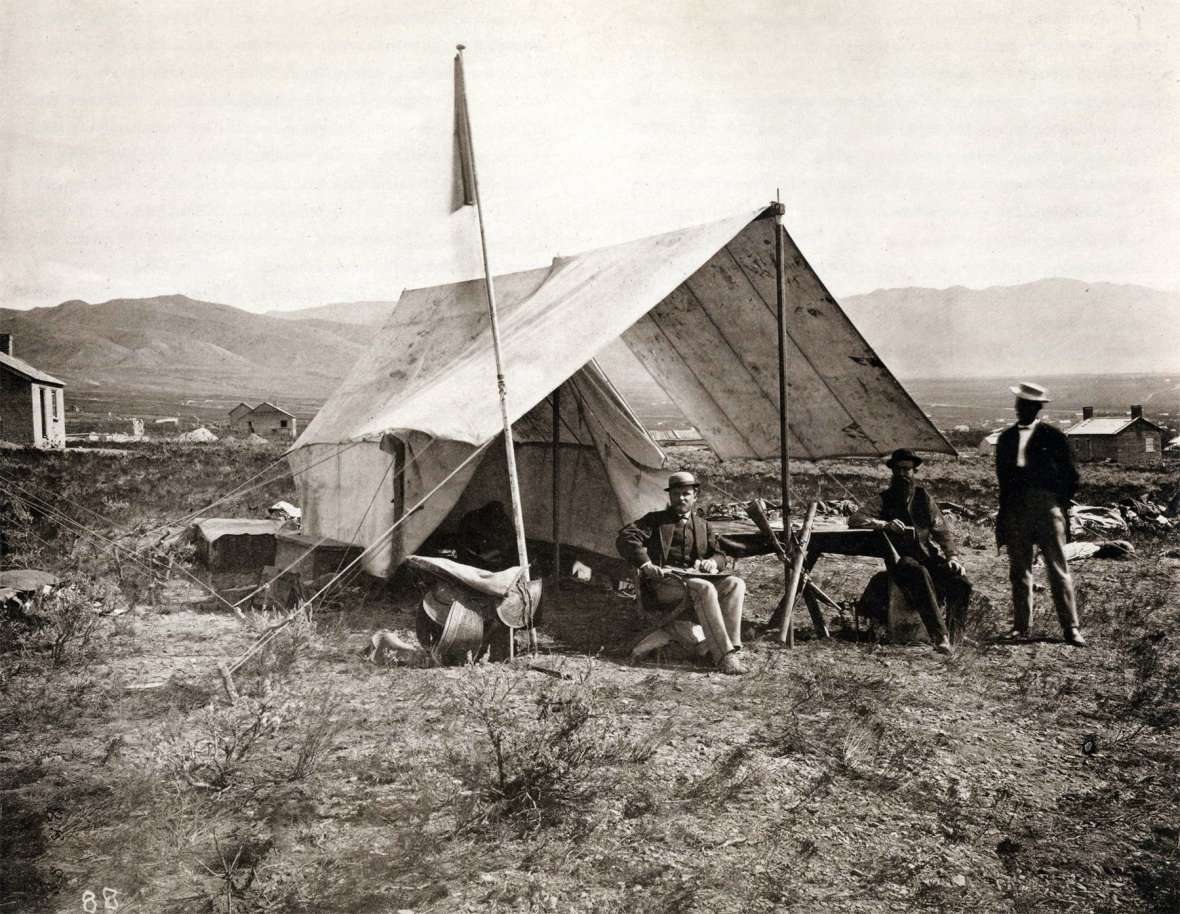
(267, 407)
(21, 367)
(1106, 425)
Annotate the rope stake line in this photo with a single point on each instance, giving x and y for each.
(235, 493)
(265, 584)
(306, 605)
(356, 532)
(230, 494)
(64, 520)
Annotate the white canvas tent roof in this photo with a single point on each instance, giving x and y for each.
(987, 444)
(696, 306)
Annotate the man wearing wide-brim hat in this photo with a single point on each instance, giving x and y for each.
(670, 545)
(926, 570)
(1037, 477)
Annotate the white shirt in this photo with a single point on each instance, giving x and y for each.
(1025, 432)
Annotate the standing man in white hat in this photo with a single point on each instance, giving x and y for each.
(667, 546)
(1037, 477)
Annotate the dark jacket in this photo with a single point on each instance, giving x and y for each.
(932, 535)
(648, 539)
(1048, 467)
(932, 539)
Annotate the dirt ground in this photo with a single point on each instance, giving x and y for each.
(837, 776)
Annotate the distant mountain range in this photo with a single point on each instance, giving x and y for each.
(347, 312)
(1048, 327)
(180, 345)
(176, 344)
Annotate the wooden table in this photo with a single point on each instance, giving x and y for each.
(832, 536)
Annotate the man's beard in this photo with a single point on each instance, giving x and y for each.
(903, 488)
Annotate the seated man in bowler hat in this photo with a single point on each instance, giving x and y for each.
(666, 546)
(926, 568)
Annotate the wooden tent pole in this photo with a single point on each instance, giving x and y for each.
(784, 450)
(468, 146)
(557, 489)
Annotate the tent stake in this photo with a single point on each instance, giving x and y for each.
(784, 452)
(467, 146)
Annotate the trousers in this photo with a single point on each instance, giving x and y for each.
(717, 604)
(1035, 520)
(925, 585)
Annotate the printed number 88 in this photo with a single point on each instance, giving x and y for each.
(110, 900)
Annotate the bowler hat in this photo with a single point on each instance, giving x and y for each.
(1034, 392)
(682, 480)
(903, 453)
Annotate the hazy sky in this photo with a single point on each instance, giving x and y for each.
(287, 154)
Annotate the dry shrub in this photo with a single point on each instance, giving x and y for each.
(1149, 653)
(73, 616)
(216, 748)
(20, 547)
(235, 746)
(274, 663)
(983, 621)
(535, 768)
(35, 695)
(881, 753)
(784, 735)
(234, 863)
(1152, 695)
(321, 724)
(64, 624)
(736, 774)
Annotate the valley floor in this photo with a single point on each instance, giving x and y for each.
(838, 776)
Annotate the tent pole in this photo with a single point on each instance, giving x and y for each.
(510, 450)
(556, 490)
(787, 631)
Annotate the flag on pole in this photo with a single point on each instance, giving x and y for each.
(467, 194)
(464, 172)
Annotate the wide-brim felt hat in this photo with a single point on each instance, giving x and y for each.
(521, 603)
(1034, 392)
(462, 635)
(903, 453)
(682, 480)
(431, 620)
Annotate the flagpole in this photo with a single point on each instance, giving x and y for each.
(510, 450)
(556, 461)
(787, 629)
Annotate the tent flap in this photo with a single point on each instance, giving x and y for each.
(712, 345)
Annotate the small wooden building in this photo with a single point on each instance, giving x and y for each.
(265, 420)
(271, 421)
(32, 403)
(1125, 440)
(238, 414)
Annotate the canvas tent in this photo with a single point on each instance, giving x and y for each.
(696, 306)
(987, 444)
